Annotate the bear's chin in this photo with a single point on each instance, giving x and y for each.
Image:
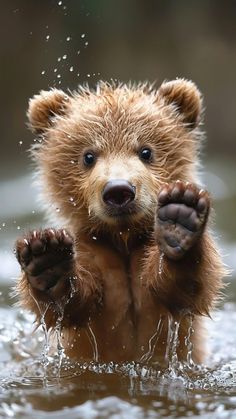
(124, 220)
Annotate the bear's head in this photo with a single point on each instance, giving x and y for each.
(102, 155)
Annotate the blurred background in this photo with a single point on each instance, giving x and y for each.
(64, 43)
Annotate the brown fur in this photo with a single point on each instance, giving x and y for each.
(119, 293)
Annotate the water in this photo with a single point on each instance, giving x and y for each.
(38, 381)
(32, 388)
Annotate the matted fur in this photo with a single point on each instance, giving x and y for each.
(119, 292)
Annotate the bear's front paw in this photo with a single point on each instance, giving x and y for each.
(181, 217)
(45, 256)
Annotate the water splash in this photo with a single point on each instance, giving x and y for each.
(93, 342)
(46, 332)
(60, 306)
(189, 343)
(153, 342)
(203, 392)
(171, 346)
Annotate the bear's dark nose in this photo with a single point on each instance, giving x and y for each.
(118, 193)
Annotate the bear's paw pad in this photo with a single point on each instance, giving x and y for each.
(45, 256)
(181, 216)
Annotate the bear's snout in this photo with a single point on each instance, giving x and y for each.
(118, 193)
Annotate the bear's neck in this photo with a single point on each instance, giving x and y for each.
(123, 241)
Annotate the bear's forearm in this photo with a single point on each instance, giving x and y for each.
(72, 300)
(192, 283)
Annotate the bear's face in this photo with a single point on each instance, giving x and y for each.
(103, 155)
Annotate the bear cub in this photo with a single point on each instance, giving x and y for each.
(132, 265)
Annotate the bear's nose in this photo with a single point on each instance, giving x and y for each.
(118, 193)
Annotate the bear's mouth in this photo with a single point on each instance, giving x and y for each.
(122, 211)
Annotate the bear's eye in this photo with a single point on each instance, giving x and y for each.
(145, 154)
(89, 158)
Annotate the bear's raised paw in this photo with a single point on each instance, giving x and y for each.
(182, 214)
(45, 256)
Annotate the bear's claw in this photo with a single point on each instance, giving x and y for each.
(45, 256)
(181, 216)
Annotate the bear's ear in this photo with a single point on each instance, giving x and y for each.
(44, 107)
(186, 98)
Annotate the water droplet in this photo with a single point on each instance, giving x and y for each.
(59, 59)
(88, 75)
(18, 227)
(71, 199)
(59, 3)
(68, 38)
(64, 57)
(189, 343)
(72, 162)
(94, 238)
(72, 68)
(83, 35)
(20, 142)
(55, 70)
(3, 224)
(58, 210)
(33, 212)
(58, 76)
(86, 43)
(47, 37)
(78, 52)
(43, 72)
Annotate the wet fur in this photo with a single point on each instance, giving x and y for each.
(119, 293)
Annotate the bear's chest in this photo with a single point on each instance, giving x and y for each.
(126, 299)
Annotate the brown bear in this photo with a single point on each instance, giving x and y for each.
(133, 263)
